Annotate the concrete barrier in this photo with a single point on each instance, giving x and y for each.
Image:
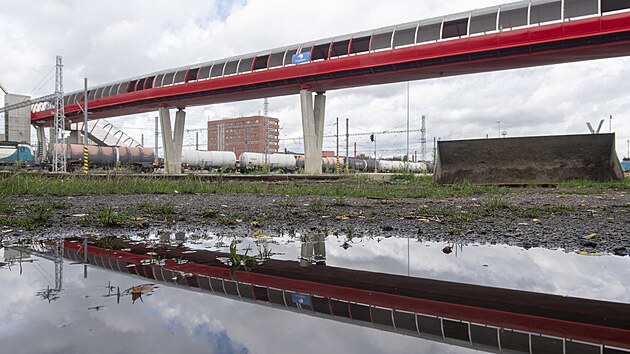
(536, 160)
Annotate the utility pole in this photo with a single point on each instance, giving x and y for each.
(610, 124)
(85, 126)
(337, 135)
(156, 140)
(347, 163)
(499, 123)
(407, 156)
(434, 150)
(266, 128)
(337, 151)
(373, 138)
(423, 139)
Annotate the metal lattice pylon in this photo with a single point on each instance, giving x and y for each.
(59, 155)
(57, 251)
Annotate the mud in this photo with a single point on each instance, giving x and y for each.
(588, 222)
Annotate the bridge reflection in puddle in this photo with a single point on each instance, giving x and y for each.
(450, 310)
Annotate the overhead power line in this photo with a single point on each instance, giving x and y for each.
(362, 134)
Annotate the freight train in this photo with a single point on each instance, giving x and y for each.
(144, 159)
(106, 156)
(332, 164)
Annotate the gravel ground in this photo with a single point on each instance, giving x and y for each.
(543, 217)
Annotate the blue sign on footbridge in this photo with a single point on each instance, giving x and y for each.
(301, 58)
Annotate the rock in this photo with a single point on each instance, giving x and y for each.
(589, 243)
(620, 251)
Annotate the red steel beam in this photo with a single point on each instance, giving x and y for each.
(372, 68)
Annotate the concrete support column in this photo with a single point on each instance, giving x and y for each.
(313, 117)
(313, 249)
(42, 144)
(51, 142)
(74, 137)
(172, 143)
(319, 248)
(17, 125)
(180, 119)
(306, 252)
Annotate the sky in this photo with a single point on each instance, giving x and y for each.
(176, 319)
(114, 40)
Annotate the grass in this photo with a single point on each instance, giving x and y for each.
(494, 207)
(230, 219)
(352, 186)
(164, 211)
(209, 213)
(6, 208)
(40, 214)
(108, 217)
(36, 216)
(497, 203)
(237, 260)
(318, 206)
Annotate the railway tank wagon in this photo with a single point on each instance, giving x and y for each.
(249, 161)
(330, 164)
(106, 156)
(400, 166)
(195, 159)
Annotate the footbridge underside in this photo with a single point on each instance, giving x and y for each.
(544, 45)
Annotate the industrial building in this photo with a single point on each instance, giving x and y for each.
(251, 134)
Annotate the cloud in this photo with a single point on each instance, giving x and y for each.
(105, 43)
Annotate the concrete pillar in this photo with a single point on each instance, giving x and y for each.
(17, 125)
(319, 248)
(172, 144)
(74, 137)
(306, 252)
(319, 115)
(42, 144)
(167, 134)
(180, 119)
(313, 117)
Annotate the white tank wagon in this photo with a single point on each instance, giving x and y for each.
(418, 167)
(106, 156)
(390, 166)
(401, 166)
(253, 161)
(208, 159)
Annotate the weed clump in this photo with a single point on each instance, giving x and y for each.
(108, 217)
(165, 211)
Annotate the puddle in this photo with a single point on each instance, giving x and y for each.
(342, 294)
